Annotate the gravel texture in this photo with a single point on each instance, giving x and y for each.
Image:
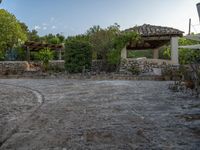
(84, 114)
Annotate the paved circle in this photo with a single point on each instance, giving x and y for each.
(16, 103)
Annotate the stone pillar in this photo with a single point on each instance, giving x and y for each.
(124, 53)
(156, 53)
(174, 50)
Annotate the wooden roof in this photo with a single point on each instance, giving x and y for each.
(36, 46)
(152, 36)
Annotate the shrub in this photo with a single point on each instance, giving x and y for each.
(2, 55)
(78, 55)
(135, 70)
(107, 44)
(20, 53)
(45, 56)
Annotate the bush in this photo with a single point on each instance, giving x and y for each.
(20, 53)
(135, 70)
(2, 55)
(140, 53)
(107, 44)
(45, 56)
(78, 55)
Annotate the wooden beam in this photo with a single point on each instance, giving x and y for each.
(154, 38)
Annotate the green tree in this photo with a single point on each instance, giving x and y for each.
(108, 43)
(93, 30)
(54, 40)
(47, 38)
(78, 54)
(11, 31)
(33, 36)
(24, 27)
(60, 37)
(187, 56)
(114, 55)
(102, 40)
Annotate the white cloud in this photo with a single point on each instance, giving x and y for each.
(44, 24)
(44, 28)
(36, 27)
(53, 27)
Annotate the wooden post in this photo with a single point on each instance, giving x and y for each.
(156, 53)
(60, 54)
(27, 54)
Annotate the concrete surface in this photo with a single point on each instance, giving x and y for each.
(84, 114)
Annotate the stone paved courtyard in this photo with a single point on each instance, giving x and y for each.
(83, 114)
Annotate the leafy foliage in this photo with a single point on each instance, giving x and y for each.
(102, 40)
(135, 70)
(2, 55)
(108, 43)
(45, 56)
(165, 53)
(78, 54)
(33, 36)
(141, 53)
(114, 56)
(11, 31)
(21, 54)
(187, 56)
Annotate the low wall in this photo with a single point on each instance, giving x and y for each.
(57, 65)
(146, 66)
(19, 67)
(13, 67)
(97, 66)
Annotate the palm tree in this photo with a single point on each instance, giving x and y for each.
(0, 1)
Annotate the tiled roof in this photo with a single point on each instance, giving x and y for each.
(148, 30)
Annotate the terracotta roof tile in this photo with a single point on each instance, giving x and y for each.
(152, 30)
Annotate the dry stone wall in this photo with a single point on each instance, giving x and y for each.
(13, 67)
(19, 67)
(146, 66)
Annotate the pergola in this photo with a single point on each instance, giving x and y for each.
(37, 46)
(153, 37)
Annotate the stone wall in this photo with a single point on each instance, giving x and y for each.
(58, 65)
(13, 67)
(53, 65)
(97, 66)
(19, 67)
(146, 66)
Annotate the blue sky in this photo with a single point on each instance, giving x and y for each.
(71, 17)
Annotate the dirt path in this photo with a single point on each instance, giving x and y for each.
(75, 114)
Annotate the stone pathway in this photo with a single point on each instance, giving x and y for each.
(83, 114)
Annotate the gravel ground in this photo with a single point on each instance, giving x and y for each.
(84, 114)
